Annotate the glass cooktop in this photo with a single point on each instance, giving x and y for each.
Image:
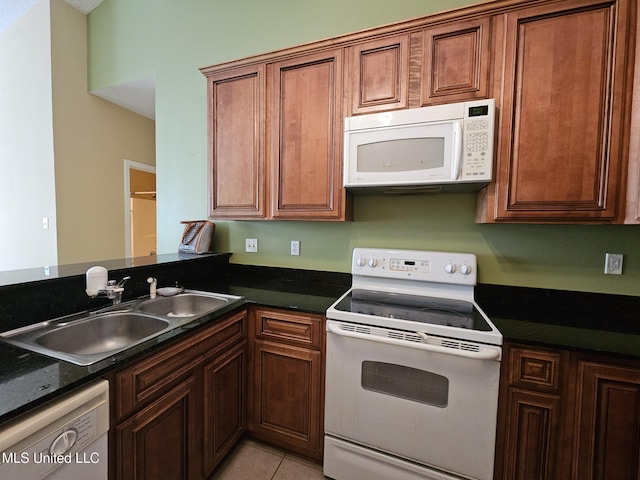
(415, 308)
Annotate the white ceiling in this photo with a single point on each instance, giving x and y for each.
(137, 96)
(11, 10)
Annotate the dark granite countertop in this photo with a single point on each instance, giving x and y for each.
(28, 379)
(14, 277)
(589, 322)
(566, 337)
(564, 319)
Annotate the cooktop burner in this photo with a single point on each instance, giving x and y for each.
(416, 291)
(436, 311)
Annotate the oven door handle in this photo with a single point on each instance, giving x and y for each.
(483, 354)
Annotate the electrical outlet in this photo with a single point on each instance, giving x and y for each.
(613, 263)
(251, 245)
(295, 247)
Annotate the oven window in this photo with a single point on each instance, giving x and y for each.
(406, 382)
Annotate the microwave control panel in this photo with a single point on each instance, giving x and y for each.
(478, 139)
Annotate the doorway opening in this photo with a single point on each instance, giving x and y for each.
(140, 209)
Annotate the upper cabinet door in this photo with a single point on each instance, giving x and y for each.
(565, 113)
(236, 143)
(305, 137)
(378, 75)
(456, 62)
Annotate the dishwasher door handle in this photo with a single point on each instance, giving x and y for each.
(483, 354)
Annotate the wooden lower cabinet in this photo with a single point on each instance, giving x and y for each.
(287, 395)
(224, 404)
(287, 388)
(530, 415)
(161, 440)
(175, 414)
(607, 432)
(533, 421)
(568, 415)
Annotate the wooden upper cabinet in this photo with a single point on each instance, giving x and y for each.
(236, 143)
(456, 59)
(632, 215)
(378, 75)
(305, 137)
(563, 121)
(561, 72)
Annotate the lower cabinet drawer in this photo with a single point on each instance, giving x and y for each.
(535, 368)
(296, 329)
(148, 378)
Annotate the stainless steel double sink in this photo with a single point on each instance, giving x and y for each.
(90, 337)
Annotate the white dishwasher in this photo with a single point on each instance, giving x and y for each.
(65, 439)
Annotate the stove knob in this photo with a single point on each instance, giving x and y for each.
(373, 262)
(450, 268)
(465, 269)
(360, 261)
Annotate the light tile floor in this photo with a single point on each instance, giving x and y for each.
(252, 460)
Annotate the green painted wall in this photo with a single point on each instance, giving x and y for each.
(133, 39)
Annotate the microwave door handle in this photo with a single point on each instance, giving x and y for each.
(483, 354)
(457, 150)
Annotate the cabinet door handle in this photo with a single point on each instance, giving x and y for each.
(488, 353)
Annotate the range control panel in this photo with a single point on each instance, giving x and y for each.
(416, 265)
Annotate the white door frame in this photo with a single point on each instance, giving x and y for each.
(128, 165)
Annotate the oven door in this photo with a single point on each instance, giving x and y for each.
(431, 405)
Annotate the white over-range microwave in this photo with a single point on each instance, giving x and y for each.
(420, 150)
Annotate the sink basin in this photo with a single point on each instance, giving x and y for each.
(188, 304)
(103, 333)
(87, 338)
(91, 338)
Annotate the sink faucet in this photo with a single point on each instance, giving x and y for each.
(115, 289)
(98, 286)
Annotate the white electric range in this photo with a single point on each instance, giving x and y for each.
(412, 373)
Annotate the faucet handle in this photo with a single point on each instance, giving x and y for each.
(115, 286)
(114, 283)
